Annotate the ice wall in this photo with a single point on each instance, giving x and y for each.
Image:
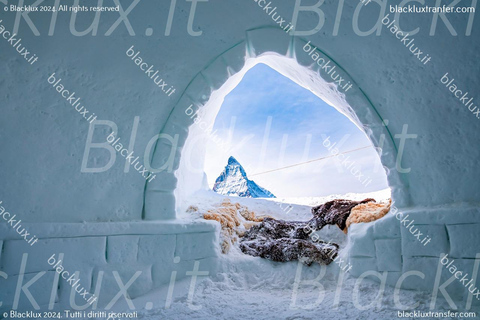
(417, 249)
(45, 137)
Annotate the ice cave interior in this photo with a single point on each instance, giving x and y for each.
(97, 214)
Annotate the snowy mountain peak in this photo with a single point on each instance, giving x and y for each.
(233, 161)
(233, 168)
(233, 181)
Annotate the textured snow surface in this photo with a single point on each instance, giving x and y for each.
(253, 288)
(240, 294)
(233, 181)
(379, 196)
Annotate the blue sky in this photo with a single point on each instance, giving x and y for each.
(277, 123)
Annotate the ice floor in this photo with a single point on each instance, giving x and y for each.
(253, 288)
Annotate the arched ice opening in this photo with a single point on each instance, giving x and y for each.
(196, 110)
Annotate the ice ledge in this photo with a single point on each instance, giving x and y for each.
(459, 213)
(72, 230)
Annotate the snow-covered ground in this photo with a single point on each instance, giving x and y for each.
(294, 209)
(381, 195)
(247, 287)
(280, 208)
(261, 289)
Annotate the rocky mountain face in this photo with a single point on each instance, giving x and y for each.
(233, 181)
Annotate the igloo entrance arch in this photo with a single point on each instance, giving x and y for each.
(196, 110)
